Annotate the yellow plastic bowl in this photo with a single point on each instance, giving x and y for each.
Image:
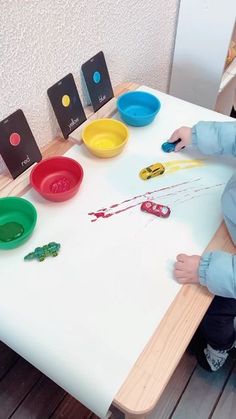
(105, 137)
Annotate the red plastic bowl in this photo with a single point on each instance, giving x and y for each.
(57, 178)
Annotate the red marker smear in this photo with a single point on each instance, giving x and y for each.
(187, 190)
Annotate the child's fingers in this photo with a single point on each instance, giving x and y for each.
(179, 146)
(181, 281)
(180, 277)
(181, 257)
(179, 273)
(174, 137)
(180, 266)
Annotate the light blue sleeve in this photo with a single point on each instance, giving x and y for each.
(228, 202)
(217, 271)
(215, 138)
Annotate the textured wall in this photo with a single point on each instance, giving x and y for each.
(43, 40)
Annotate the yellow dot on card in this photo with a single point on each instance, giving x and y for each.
(65, 101)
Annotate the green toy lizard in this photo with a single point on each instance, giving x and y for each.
(40, 253)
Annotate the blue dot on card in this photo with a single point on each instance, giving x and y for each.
(96, 77)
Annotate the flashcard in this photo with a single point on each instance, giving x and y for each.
(18, 147)
(97, 80)
(67, 105)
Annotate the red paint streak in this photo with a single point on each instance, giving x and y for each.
(100, 215)
(107, 212)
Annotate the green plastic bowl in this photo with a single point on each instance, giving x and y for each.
(20, 211)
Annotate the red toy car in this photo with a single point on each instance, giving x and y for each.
(156, 209)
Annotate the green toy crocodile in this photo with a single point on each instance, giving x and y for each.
(40, 253)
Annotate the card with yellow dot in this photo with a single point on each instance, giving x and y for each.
(66, 103)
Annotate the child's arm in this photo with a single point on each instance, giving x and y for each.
(210, 137)
(215, 137)
(215, 270)
(228, 203)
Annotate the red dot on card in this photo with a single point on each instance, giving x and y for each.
(15, 139)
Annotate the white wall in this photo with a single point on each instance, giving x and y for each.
(43, 40)
(203, 36)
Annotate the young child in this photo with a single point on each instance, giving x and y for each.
(216, 270)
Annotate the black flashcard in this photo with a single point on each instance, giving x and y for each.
(97, 80)
(18, 147)
(67, 105)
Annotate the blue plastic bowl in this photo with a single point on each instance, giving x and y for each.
(138, 108)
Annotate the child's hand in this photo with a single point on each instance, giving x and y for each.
(185, 134)
(186, 269)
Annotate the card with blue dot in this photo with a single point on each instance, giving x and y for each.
(97, 79)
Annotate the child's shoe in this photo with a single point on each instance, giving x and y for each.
(212, 359)
(209, 358)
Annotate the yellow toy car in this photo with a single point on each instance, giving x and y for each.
(153, 170)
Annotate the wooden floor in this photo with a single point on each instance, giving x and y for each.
(192, 393)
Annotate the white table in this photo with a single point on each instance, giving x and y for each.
(101, 320)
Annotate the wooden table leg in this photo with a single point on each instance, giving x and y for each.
(130, 416)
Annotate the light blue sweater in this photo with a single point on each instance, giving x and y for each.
(217, 270)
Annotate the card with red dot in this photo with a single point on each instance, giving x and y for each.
(18, 147)
(97, 80)
(67, 106)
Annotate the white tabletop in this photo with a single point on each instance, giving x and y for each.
(84, 317)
